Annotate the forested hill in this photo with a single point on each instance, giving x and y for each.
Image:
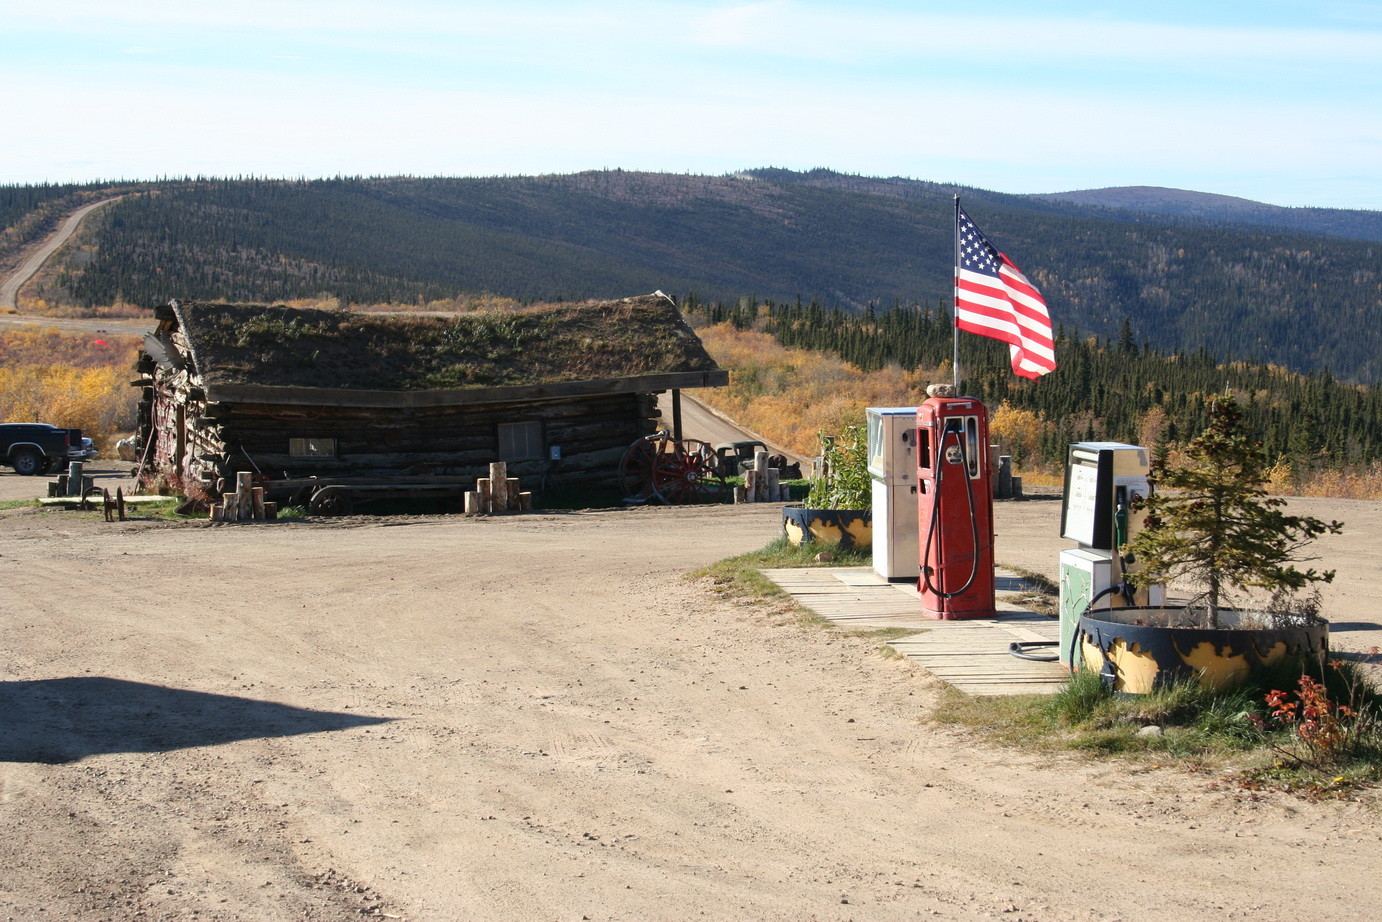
(1305, 300)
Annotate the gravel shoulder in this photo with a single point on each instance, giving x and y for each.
(541, 717)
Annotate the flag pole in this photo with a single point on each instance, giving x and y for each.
(955, 303)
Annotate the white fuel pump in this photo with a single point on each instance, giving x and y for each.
(1105, 483)
(893, 470)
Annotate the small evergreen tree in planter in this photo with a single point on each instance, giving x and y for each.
(838, 508)
(1214, 527)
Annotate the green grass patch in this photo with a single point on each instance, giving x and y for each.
(742, 577)
(166, 510)
(17, 503)
(1183, 722)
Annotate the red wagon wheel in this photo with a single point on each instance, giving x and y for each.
(672, 472)
(637, 467)
(689, 473)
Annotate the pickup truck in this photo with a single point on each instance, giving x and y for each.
(37, 448)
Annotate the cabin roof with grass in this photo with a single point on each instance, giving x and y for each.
(305, 355)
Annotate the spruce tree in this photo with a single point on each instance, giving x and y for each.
(1216, 526)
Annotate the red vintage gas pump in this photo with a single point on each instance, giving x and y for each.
(955, 508)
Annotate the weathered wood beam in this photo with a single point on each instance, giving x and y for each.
(341, 397)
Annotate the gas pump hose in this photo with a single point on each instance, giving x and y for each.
(935, 507)
(1019, 649)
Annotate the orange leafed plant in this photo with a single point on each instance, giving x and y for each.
(68, 380)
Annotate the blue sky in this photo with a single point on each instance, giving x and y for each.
(1279, 102)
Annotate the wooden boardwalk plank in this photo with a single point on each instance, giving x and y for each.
(972, 655)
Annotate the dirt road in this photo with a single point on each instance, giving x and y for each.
(539, 717)
(9, 287)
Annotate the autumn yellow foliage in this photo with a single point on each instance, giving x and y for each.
(69, 380)
(791, 395)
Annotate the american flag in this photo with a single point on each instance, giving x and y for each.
(993, 298)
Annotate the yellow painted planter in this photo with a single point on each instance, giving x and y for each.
(843, 527)
(1135, 649)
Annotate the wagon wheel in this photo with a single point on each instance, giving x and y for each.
(330, 501)
(638, 466)
(689, 472)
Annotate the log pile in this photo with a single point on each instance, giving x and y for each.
(246, 504)
(762, 484)
(73, 483)
(497, 493)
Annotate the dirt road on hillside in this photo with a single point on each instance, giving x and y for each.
(539, 717)
(9, 287)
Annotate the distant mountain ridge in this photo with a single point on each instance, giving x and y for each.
(1185, 280)
(1357, 224)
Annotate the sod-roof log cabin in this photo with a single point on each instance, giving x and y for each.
(293, 394)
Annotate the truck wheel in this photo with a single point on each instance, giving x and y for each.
(26, 461)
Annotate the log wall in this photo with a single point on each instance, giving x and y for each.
(211, 442)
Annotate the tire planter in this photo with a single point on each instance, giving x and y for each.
(843, 527)
(1135, 648)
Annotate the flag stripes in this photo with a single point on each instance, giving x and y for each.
(994, 299)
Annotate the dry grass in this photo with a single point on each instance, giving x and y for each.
(252, 344)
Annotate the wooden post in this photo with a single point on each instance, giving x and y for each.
(74, 478)
(120, 503)
(512, 490)
(499, 486)
(217, 512)
(760, 464)
(525, 501)
(740, 495)
(257, 503)
(270, 512)
(482, 489)
(750, 485)
(231, 510)
(244, 496)
(774, 491)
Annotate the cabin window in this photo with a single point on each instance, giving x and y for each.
(520, 441)
(311, 448)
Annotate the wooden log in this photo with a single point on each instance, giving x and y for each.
(257, 504)
(231, 510)
(525, 501)
(217, 512)
(244, 496)
(740, 495)
(773, 489)
(760, 464)
(511, 490)
(58, 487)
(74, 479)
(472, 503)
(483, 487)
(270, 512)
(499, 486)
